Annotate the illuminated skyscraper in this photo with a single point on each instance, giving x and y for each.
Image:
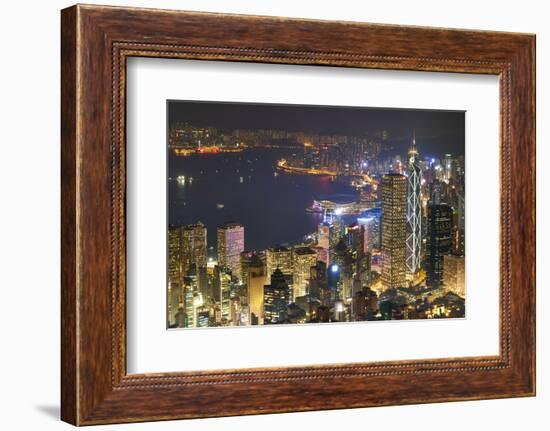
(371, 220)
(304, 259)
(317, 280)
(343, 259)
(394, 230)
(323, 235)
(414, 212)
(276, 298)
(194, 250)
(279, 257)
(436, 192)
(440, 220)
(454, 274)
(203, 317)
(186, 247)
(447, 167)
(189, 302)
(175, 304)
(230, 246)
(225, 293)
(175, 273)
(459, 225)
(254, 279)
(256, 283)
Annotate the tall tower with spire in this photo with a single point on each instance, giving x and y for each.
(414, 211)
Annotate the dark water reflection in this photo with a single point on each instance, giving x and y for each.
(270, 205)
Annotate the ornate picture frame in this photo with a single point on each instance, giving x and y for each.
(96, 42)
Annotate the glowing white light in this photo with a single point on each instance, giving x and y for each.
(338, 211)
(334, 268)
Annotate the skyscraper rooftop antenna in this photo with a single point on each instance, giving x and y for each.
(412, 149)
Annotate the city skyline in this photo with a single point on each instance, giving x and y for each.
(441, 131)
(296, 224)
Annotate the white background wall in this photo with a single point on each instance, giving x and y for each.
(29, 213)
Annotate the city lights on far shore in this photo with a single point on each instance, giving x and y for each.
(385, 239)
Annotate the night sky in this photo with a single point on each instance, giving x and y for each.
(437, 132)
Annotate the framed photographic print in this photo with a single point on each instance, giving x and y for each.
(290, 207)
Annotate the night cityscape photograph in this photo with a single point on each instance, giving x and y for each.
(296, 214)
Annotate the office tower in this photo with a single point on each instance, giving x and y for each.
(254, 278)
(355, 237)
(440, 219)
(317, 280)
(364, 305)
(230, 246)
(454, 274)
(366, 198)
(175, 273)
(335, 234)
(194, 250)
(371, 220)
(360, 258)
(459, 226)
(256, 283)
(225, 292)
(279, 257)
(247, 258)
(175, 303)
(414, 212)
(447, 167)
(189, 302)
(186, 247)
(276, 298)
(215, 282)
(304, 259)
(394, 230)
(362, 273)
(203, 317)
(336, 231)
(333, 278)
(202, 280)
(343, 259)
(323, 235)
(235, 311)
(339, 311)
(323, 242)
(436, 192)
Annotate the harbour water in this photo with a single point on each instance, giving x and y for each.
(246, 187)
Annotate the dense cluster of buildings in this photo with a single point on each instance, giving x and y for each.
(330, 151)
(401, 258)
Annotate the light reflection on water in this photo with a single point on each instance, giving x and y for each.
(271, 207)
